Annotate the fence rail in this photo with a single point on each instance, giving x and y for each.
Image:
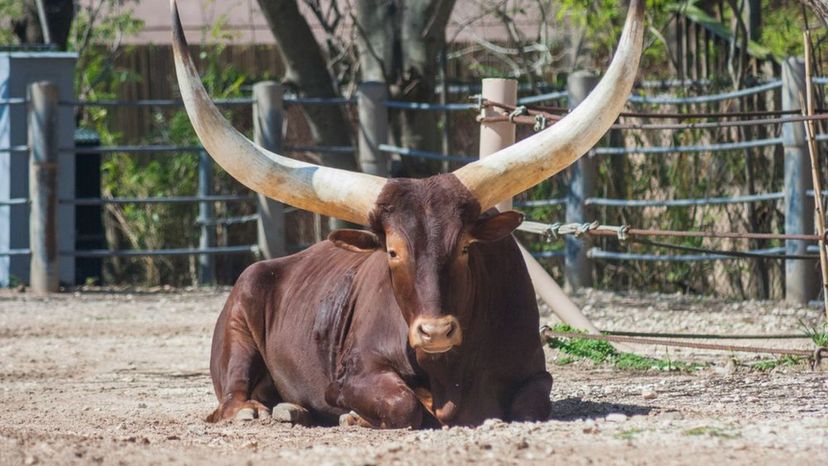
(597, 253)
(243, 249)
(604, 202)
(638, 99)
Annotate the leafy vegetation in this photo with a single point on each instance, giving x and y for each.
(817, 333)
(713, 431)
(601, 352)
(767, 365)
(628, 434)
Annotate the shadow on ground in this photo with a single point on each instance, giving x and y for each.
(575, 408)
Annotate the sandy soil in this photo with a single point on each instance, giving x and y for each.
(122, 378)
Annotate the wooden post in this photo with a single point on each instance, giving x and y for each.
(267, 132)
(582, 175)
(810, 131)
(800, 276)
(373, 127)
(43, 187)
(496, 136)
(206, 214)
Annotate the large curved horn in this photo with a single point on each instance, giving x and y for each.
(328, 191)
(525, 164)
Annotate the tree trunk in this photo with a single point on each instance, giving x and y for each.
(59, 16)
(399, 42)
(307, 73)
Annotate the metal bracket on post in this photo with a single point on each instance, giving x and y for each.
(43, 187)
(268, 111)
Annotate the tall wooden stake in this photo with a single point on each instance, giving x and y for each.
(820, 210)
(43, 187)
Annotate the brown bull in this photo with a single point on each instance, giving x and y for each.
(430, 314)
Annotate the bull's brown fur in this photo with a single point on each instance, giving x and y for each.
(328, 328)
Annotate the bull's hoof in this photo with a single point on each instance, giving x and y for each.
(353, 419)
(292, 413)
(244, 411)
(245, 414)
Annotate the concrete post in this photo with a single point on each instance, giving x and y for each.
(373, 127)
(801, 277)
(582, 176)
(268, 113)
(496, 136)
(206, 215)
(43, 187)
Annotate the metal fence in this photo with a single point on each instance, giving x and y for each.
(378, 151)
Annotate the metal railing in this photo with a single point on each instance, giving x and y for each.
(202, 198)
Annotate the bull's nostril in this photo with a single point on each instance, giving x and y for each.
(450, 332)
(421, 329)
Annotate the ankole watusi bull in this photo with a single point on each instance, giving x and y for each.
(429, 314)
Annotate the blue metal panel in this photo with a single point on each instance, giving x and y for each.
(17, 71)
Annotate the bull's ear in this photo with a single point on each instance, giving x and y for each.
(497, 227)
(355, 240)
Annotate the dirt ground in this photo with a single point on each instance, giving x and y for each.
(122, 378)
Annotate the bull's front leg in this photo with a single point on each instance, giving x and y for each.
(531, 401)
(381, 398)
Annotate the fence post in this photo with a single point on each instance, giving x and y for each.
(268, 110)
(43, 186)
(582, 175)
(496, 136)
(206, 216)
(800, 276)
(373, 127)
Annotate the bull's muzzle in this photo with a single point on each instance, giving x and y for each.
(435, 335)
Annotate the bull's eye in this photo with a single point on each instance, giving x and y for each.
(392, 254)
(465, 250)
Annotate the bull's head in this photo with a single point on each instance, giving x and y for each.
(428, 227)
(430, 230)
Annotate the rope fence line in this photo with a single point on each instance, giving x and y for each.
(815, 356)
(554, 230)
(707, 336)
(626, 234)
(768, 253)
(520, 114)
